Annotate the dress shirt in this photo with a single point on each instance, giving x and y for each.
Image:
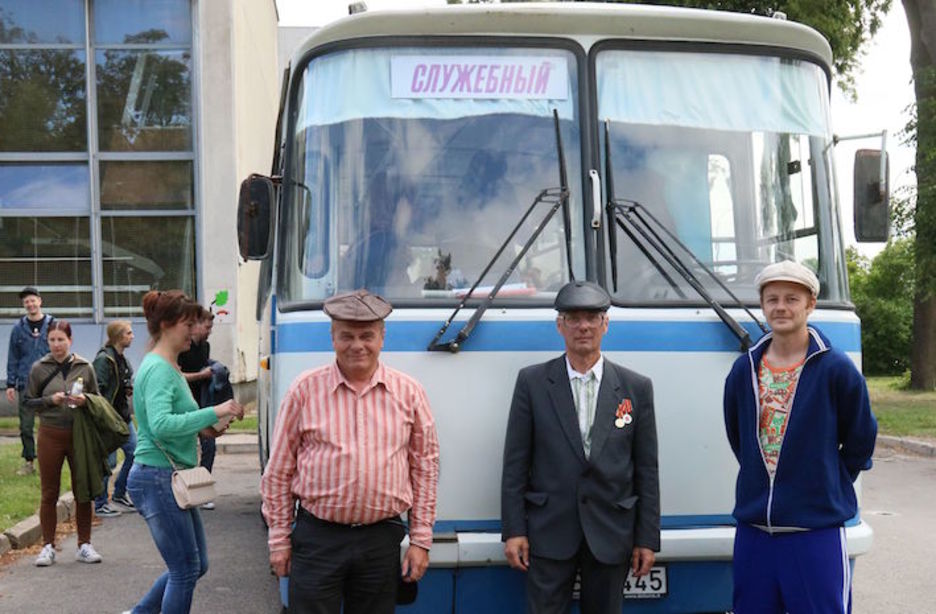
(352, 457)
(585, 405)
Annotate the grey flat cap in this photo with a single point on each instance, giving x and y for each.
(582, 296)
(357, 306)
(788, 270)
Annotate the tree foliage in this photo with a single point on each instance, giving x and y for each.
(882, 290)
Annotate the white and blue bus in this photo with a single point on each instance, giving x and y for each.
(670, 154)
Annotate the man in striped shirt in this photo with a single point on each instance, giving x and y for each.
(355, 444)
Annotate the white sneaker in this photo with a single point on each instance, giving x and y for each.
(46, 556)
(87, 554)
(209, 505)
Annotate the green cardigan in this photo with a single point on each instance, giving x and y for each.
(167, 413)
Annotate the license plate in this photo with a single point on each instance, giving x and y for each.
(650, 586)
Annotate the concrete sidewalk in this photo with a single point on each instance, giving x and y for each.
(238, 579)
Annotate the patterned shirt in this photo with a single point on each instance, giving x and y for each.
(777, 386)
(352, 457)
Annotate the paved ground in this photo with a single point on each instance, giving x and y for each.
(238, 579)
(896, 577)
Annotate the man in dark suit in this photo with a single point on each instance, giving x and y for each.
(580, 488)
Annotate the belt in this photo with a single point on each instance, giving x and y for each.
(304, 513)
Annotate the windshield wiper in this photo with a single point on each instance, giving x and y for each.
(634, 218)
(556, 198)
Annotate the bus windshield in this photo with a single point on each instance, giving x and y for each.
(409, 167)
(729, 152)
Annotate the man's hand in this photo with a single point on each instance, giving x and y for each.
(11, 395)
(279, 562)
(517, 550)
(642, 560)
(415, 562)
(58, 398)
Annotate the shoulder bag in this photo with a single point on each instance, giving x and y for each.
(190, 487)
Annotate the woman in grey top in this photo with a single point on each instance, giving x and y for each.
(52, 390)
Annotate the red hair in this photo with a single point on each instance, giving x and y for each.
(61, 325)
(167, 308)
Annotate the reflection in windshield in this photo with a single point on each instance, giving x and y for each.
(741, 184)
(414, 208)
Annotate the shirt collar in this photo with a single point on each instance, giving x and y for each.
(597, 369)
(338, 378)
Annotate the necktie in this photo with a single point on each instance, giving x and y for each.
(584, 388)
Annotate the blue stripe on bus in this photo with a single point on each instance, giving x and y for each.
(541, 336)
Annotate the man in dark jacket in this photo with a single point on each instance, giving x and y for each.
(580, 488)
(793, 392)
(28, 343)
(115, 383)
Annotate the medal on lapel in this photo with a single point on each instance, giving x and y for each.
(622, 416)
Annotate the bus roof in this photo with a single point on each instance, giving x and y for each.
(588, 22)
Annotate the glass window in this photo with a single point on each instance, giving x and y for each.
(58, 22)
(407, 184)
(136, 259)
(142, 21)
(42, 100)
(51, 253)
(147, 185)
(739, 182)
(63, 187)
(144, 100)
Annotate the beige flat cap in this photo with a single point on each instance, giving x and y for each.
(357, 306)
(788, 270)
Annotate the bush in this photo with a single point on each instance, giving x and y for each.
(882, 291)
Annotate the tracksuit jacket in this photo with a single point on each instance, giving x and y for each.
(829, 439)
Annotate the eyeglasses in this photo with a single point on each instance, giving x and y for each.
(579, 319)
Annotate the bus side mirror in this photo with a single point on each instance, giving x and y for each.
(871, 196)
(254, 217)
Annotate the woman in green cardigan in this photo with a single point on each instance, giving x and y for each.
(169, 421)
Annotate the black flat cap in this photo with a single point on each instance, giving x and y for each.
(29, 290)
(357, 306)
(582, 296)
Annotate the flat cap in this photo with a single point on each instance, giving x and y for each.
(582, 296)
(788, 270)
(357, 306)
(29, 290)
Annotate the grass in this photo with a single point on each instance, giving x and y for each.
(9, 423)
(19, 495)
(248, 424)
(901, 412)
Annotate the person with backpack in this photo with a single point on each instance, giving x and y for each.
(115, 383)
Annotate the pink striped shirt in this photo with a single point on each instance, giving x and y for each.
(352, 457)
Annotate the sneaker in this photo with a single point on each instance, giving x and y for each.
(46, 556)
(28, 468)
(106, 511)
(123, 500)
(208, 506)
(87, 554)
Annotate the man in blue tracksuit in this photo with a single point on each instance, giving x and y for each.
(800, 424)
(29, 341)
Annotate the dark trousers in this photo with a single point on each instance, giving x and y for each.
(208, 449)
(549, 584)
(55, 446)
(27, 422)
(333, 563)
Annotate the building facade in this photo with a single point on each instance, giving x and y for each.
(125, 129)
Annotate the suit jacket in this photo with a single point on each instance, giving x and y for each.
(553, 494)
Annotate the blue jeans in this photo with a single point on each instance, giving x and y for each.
(120, 484)
(179, 537)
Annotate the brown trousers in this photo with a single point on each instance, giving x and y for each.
(54, 446)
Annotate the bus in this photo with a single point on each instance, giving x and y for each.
(467, 161)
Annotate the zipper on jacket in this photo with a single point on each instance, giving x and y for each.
(754, 382)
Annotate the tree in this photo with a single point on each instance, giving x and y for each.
(921, 18)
